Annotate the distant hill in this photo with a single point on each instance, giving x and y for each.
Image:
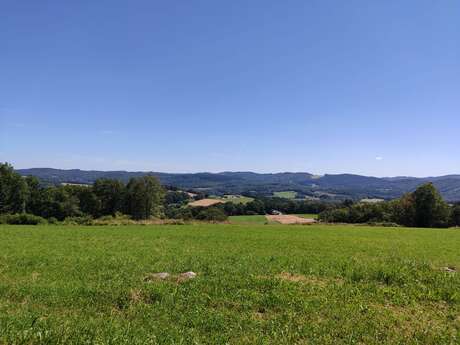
(327, 187)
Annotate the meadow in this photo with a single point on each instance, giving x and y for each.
(261, 219)
(237, 199)
(285, 195)
(255, 284)
(253, 219)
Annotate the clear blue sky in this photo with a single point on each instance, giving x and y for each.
(368, 87)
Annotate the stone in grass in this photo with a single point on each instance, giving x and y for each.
(449, 269)
(157, 276)
(187, 275)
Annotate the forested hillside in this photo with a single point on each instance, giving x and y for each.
(327, 187)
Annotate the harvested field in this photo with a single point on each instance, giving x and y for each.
(205, 202)
(289, 219)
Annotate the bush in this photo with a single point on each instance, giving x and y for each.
(384, 224)
(340, 215)
(22, 219)
(85, 220)
(212, 214)
(118, 219)
(53, 221)
(174, 212)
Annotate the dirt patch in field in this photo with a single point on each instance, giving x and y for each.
(289, 219)
(205, 202)
(135, 295)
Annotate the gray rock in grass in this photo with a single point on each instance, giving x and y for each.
(449, 269)
(187, 275)
(157, 276)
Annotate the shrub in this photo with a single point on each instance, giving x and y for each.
(180, 213)
(22, 219)
(384, 224)
(85, 220)
(118, 219)
(53, 221)
(212, 214)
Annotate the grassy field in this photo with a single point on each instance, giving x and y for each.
(237, 200)
(286, 195)
(256, 284)
(260, 219)
(257, 219)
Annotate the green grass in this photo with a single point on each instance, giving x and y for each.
(307, 215)
(238, 200)
(286, 195)
(350, 285)
(257, 219)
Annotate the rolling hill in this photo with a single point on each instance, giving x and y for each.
(326, 187)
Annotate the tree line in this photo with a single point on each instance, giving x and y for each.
(140, 198)
(424, 208)
(144, 198)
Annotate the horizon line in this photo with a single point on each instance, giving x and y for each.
(244, 171)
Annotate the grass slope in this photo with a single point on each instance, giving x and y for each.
(256, 284)
(286, 195)
(257, 219)
(237, 200)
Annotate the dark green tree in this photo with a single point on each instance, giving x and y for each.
(212, 214)
(430, 208)
(255, 207)
(176, 197)
(35, 195)
(111, 194)
(455, 216)
(88, 201)
(57, 202)
(403, 210)
(14, 192)
(144, 197)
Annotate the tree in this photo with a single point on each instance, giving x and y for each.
(403, 210)
(35, 195)
(57, 202)
(430, 208)
(14, 191)
(213, 214)
(176, 197)
(455, 216)
(110, 194)
(88, 201)
(144, 197)
(255, 207)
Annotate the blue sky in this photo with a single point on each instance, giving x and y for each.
(366, 87)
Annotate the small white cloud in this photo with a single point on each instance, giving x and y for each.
(379, 158)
